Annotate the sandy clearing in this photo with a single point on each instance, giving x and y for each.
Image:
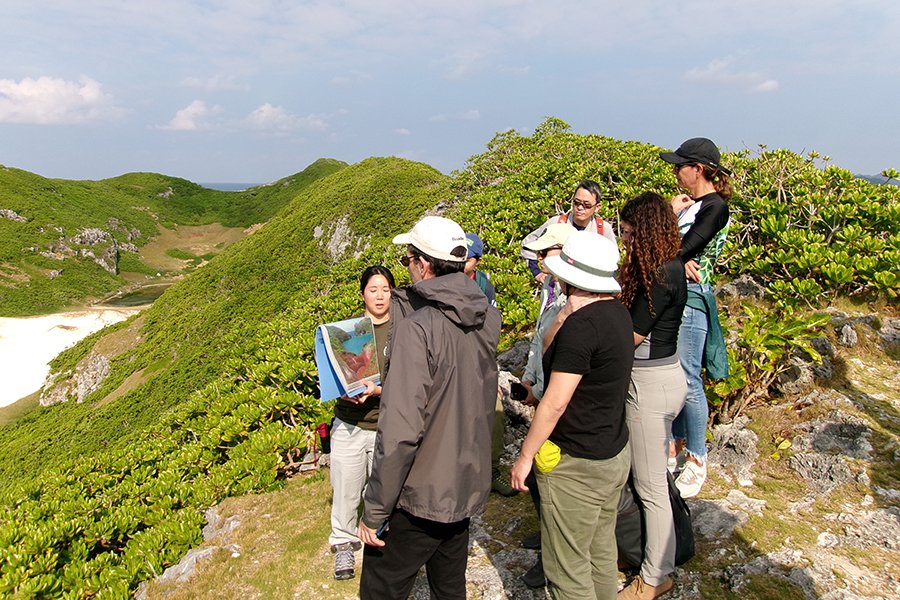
(28, 344)
(195, 239)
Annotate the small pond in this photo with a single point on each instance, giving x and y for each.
(139, 297)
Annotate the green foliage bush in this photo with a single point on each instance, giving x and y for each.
(764, 344)
(812, 233)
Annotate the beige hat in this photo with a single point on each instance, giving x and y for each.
(555, 235)
(587, 261)
(437, 237)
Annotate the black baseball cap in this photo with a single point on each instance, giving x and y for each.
(696, 151)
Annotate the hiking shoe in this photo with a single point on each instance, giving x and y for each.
(500, 486)
(638, 589)
(691, 479)
(533, 541)
(534, 577)
(344, 561)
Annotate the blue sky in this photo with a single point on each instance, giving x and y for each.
(254, 90)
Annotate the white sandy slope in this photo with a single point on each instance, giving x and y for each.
(28, 344)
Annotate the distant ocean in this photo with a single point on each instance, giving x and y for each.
(229, 187)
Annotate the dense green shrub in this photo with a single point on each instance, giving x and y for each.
(812, 233)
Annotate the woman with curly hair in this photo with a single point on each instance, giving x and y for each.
(655, 291)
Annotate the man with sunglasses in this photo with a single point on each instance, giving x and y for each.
(432, 466)
(583, 215)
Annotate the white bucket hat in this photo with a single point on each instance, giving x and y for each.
(437, 237)
(587, 261)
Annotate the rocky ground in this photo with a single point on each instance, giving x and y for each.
(803, 499)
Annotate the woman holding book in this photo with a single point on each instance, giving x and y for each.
(353, 430)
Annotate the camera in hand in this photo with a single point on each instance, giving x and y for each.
(517, 391)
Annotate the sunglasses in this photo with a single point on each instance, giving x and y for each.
(405, 260)
(584, 205)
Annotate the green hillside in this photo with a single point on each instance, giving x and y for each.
(63, 242)
(216, 312)
(217, 397)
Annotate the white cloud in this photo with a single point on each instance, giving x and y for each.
(469, 115)
(769, 85)
(276, 118)
(725, 71)
(216, 83)
(192, 117)
(50, 101)
(402, 131)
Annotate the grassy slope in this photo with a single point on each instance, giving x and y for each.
(183, 345)
(56, 208)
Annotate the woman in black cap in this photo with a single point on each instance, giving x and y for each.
(703, 221)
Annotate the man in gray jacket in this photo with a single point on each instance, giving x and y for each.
(432, 466)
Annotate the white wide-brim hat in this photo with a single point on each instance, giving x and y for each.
(587, 261)
(437, 237)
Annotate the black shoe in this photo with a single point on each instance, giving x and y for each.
(534, 577)
(500, 486)
(533, 541)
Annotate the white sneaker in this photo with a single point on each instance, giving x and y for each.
(691, 479)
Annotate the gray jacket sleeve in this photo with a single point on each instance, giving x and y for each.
(401, 422)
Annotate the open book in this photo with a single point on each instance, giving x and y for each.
(346, 357)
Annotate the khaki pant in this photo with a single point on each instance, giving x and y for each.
(579, 498)
(655, 398)
(352, 449)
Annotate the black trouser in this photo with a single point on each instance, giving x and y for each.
(390, 572)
